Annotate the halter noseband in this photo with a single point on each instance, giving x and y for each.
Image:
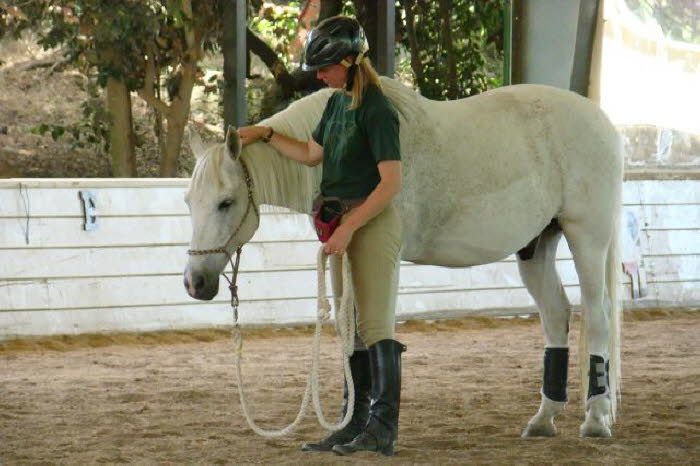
(251, 202)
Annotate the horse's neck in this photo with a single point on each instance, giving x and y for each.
(279, 181)
(282, 182)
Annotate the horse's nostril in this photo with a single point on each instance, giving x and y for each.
(198, 282)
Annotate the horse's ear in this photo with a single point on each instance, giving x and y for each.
(233, 143)
(196, 144)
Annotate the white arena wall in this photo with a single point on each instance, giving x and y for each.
(126, 275)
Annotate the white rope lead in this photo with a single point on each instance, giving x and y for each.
(345, 328)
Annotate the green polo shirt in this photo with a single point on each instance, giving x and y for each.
(355, 141)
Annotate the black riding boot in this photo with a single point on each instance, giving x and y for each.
(383, 425)
(359, 368)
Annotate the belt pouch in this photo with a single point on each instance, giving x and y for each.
(327, 218)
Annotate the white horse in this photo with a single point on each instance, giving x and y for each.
(504, 172)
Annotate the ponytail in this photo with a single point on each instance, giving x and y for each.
(362, 75)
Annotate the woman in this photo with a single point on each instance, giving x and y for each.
(357, 140)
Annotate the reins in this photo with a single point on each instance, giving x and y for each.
(344, 324)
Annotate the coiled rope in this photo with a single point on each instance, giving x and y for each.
(345, 328)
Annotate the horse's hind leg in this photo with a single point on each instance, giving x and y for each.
(589, 246)
(540, 276)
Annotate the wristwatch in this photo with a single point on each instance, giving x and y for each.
(269, 135)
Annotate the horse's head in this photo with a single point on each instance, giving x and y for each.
(222, 211)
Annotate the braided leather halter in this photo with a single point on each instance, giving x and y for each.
(251, 203)
(232, 286)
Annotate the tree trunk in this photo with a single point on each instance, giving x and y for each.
(330, 8)
(177, 120)
(445, 14)
(416, 64)
(121, 136)
(173, 143)
(158, 120)
(305, 81)
(271, 59)
(308, 16)
(366, 11)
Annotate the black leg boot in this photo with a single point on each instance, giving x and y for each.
(383, 425)
(359, 368)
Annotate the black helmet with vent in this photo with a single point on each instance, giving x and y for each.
(332, 40)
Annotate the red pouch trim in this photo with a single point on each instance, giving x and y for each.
(324, 230)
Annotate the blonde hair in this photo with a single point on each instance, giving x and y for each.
(365, 76)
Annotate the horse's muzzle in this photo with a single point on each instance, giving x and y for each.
(198, 286)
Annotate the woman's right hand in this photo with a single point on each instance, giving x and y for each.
(251, 134)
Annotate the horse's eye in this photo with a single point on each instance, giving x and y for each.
(223, 205)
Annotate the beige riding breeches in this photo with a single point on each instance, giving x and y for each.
(374, 259)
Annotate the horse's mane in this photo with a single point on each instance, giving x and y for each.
(277, 179)
(284, 182)
(406, 101)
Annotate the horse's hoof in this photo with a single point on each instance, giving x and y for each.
(595, 430)
(540, 430)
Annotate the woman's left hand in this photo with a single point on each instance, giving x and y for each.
(339, 241)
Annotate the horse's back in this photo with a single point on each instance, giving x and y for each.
(504, 163)
(584, 143)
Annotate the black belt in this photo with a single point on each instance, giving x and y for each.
(340, 205)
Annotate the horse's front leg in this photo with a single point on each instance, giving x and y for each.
(540, 276)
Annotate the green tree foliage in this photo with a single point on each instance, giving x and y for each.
(277, 25)
(130, 43)
(678, 19)
(476, 46)
(92, 129)
(476, 30)
(455, 47)
(113, 36)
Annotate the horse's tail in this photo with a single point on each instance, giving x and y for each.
(613, 285)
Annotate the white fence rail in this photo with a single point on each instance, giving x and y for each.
(57, 278)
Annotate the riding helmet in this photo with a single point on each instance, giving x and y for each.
(332, 40)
